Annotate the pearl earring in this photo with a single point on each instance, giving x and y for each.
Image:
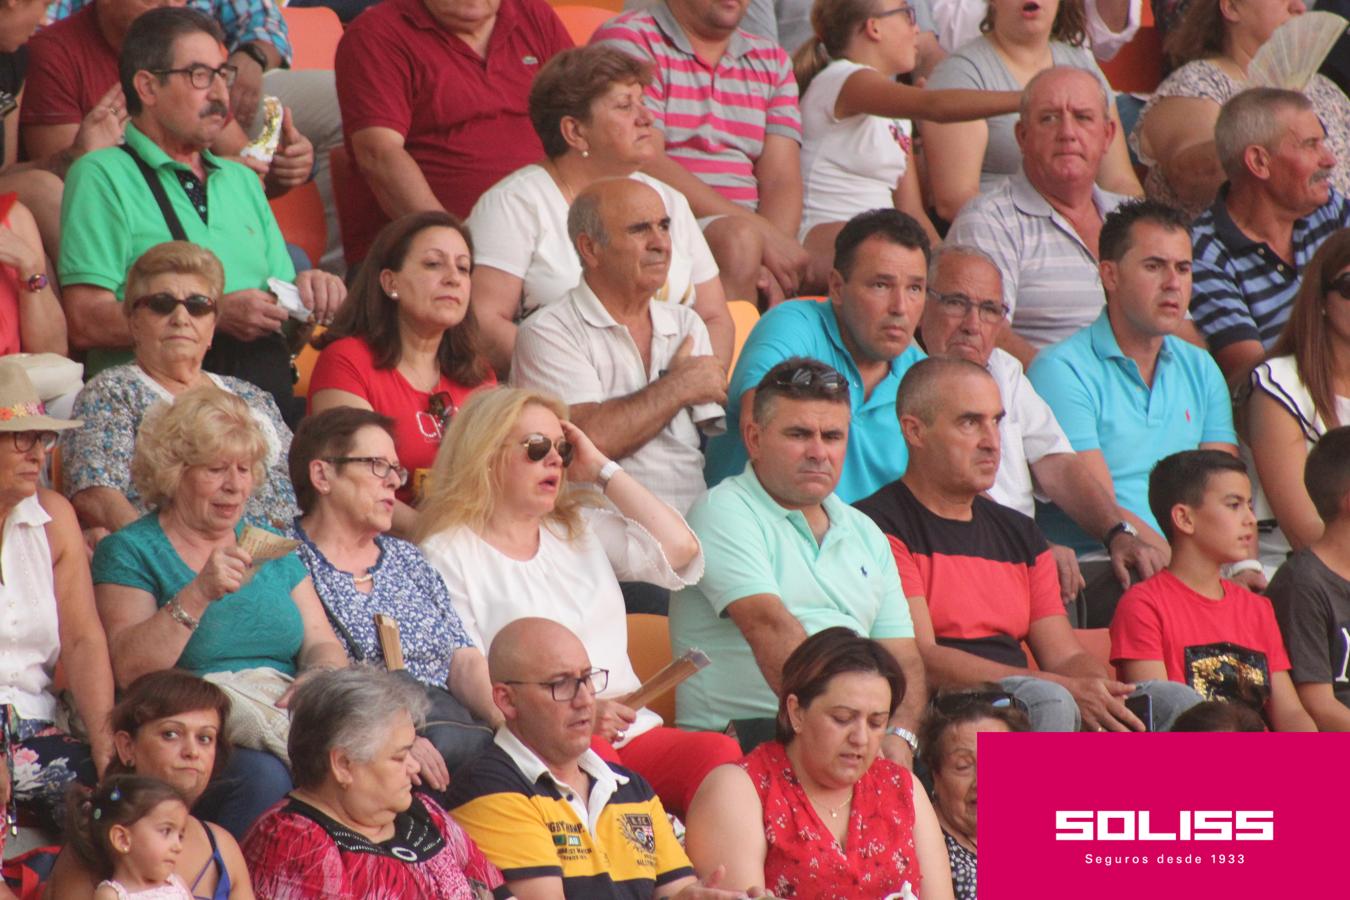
(585, 154)
(393, 295)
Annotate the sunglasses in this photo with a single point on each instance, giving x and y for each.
(1340, 285)
(957, 702)
(163, 304)
(537, 447)
(811, 376)
(442, 407)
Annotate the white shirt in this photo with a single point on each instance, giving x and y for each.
(575, 349)
(574, 583)
(604, 780)
(1029, 433)
(30, 642)
(520, 227)
(849, 165)
(958, 21)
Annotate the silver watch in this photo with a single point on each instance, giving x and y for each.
(906, 735)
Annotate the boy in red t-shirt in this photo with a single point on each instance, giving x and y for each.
(1186, 623)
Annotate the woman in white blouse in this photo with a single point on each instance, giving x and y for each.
(586, 105)
(512, 535)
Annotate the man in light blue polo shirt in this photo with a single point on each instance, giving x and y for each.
(865, 332)
(1126, 390)
(786, 558)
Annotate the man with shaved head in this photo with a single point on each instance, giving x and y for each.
(557, 819)
(979, 577)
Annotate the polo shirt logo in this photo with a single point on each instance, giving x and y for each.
(863, 569)
(530, 60)
(637, 828)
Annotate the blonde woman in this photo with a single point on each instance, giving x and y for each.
(505, 524)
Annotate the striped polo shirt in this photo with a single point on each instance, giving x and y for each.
(617, 843)
(714, 117)
(1241, 289)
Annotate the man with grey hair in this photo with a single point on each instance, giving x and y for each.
(1041, 226)
(962, 319)
(1272, 214)
(638, 374)
(979, 576)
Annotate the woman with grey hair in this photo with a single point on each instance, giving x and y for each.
(353, 827)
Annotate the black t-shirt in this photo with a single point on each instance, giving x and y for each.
(13, 68)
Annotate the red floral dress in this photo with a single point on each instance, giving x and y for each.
(804, 859)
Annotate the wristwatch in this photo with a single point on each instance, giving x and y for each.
(253, 53)
(35, 283)
(1121, 527)
(607, 471)
(907, 736)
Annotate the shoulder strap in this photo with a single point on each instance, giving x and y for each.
(157, 189)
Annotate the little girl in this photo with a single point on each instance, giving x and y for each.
(130, 832)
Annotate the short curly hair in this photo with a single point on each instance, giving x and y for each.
(201, 427)
(571, 81)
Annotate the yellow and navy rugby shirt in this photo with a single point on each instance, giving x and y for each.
(616, 844)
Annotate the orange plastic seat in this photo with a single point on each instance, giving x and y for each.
(304, 364)
(314, 32)
(1096, 641)
(649, 651)
(582, 21)
(744, 315)
(300, 215)
(1137, 68)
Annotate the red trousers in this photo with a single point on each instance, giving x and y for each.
(674, 762)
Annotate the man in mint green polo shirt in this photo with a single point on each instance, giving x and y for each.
(865, 332)
(176, 82)
(786, 558)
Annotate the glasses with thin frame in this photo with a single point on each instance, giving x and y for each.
(201, 74)
(565, 689)
(906, 11)
(537, 447)
(958, 306)
(164, 303)
(26, 440)
(379, 466)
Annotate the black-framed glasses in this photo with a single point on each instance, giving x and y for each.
(564, 689)
(812, 376)
(201, 74)
(953, 703)
(906, 11)
(164, 303)
(958, 306)
(1340, 285)
(537, 447)
(24, 441)
(442, 406)
(379, 466)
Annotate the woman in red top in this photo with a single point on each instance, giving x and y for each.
(839, 821)
(404, 343)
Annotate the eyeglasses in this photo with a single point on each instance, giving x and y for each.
(25, 440)
(1340, 285)
(565, 689)
(201, 74)
(442, 406)
(164, 303)
(954, 703)
(537, 447)
(379, 467)
(812, 376)
(958, 306)
(906, 11)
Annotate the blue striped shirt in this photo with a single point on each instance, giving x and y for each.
(243, 21)
(1241, 289)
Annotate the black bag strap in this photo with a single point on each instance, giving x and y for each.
(152, 181)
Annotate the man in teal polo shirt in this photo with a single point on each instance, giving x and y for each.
(865, 332)
(176, 82)
(1126, 390)
(786, 558)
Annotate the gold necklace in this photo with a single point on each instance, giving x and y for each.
(568, 194)
(362, 579)
(834, 813)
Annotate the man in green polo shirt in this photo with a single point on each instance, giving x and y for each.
(176, 82)
(786, 558)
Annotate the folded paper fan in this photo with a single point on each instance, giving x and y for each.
(1296, 50)
(265, 546)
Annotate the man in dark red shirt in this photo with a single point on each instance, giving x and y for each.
(434, 99)
(979, 577)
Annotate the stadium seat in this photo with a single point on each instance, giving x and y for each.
(614, 6)
(582, 21)
(299, 212)
(1096, 641)
(314, 32)
(744, 315)
(304, 364)
(649, 650)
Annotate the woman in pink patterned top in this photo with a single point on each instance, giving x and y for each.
(840, 821)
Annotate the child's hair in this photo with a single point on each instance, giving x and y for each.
(1218, 715)
(1183, 478)
(1326, 475)
(119, 800)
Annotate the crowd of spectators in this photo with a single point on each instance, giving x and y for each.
(1007, 400)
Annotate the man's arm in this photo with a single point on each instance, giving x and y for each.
(1101, 700)
(393, 175)
(1286, 711)
(1095, 464)
(909, 714)
(94, 318)
(771, 631)
(104, 507)
(1238, 359)
(779, 173)
(1329, 713)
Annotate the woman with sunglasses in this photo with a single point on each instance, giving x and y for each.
(947, 743)
(171, 296)
(508, 527)
(1299, 393)
(345, 471)
(818, 812)
(405, 344)
(51, 618)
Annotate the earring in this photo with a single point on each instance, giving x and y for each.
(585, 154)
(393, 295)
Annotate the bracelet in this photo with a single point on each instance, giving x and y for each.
(607, 471)
(907, 736)
(180, 615)
(1242, 565)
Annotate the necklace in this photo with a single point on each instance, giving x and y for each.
(363, 579)
(568, 194)
(834, 813)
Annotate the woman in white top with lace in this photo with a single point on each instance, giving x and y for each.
(856, 137)
(513, 537)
